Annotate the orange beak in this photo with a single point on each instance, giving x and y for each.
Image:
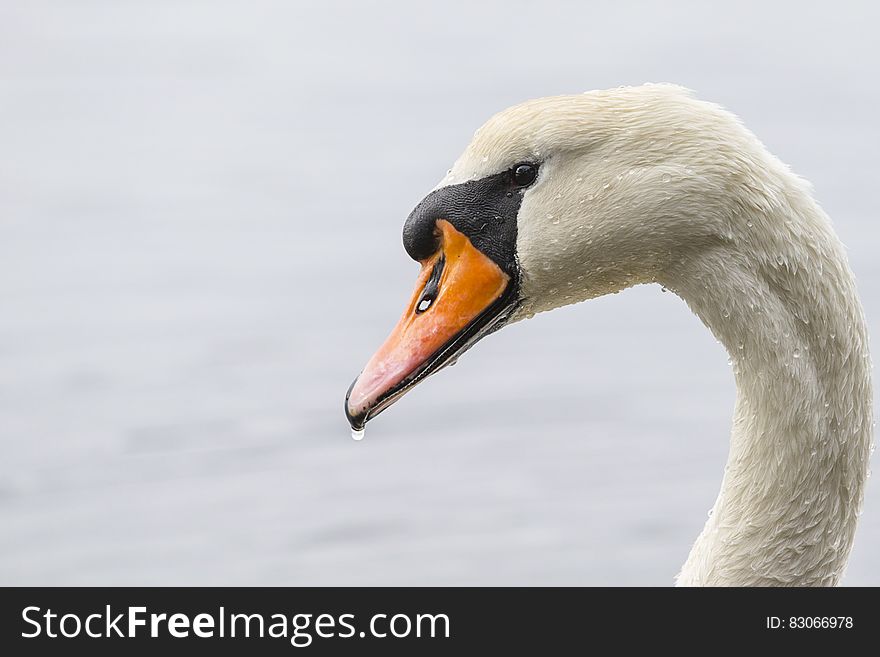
(457, 300)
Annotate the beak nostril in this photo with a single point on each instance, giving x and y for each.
(432, 287)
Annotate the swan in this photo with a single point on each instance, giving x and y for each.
(562, 199)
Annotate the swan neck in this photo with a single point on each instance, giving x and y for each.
(787, 312)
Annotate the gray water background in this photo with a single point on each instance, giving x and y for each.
(200, 212)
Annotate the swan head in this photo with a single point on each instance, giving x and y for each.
(555, 201)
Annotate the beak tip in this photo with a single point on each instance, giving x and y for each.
(357, 420)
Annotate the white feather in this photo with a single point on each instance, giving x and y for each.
(648, 184)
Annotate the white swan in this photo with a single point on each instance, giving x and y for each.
(562, 199)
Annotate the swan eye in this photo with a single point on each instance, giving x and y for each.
(524, 174)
